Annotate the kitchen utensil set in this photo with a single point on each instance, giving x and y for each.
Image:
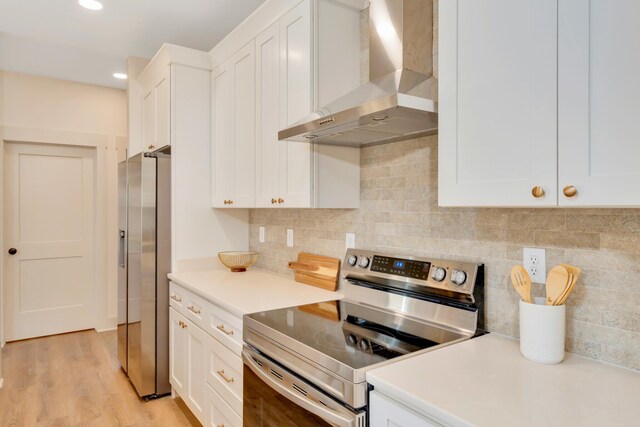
(560, 283)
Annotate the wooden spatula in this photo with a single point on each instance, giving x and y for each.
(521, 282)
(557, 284)
(574, 273)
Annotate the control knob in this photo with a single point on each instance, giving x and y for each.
(363, 344)
(364, 262)
(352, 339)
(458, 277)
(438, 274)
(352, 260)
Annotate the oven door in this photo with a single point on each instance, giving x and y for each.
(273, 396)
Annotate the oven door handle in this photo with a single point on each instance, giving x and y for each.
(341, 420)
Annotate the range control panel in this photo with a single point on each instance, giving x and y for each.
(401, 267)
(449, 275)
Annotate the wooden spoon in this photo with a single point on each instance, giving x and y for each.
(521, 282)
(557, 283)
(575, 274)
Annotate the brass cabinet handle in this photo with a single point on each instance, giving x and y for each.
(274, 201)
(222, 328)
(228, 202)
(570, 191)
(151, 147)
(224, 377)
(537, 191)
(176, 298)
(193, 309)
(182, 324)
(280, 200)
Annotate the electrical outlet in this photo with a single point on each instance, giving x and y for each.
(290, 237)
(262, 235)
(350, 240)
(533, 260)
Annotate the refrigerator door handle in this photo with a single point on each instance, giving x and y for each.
(121, 250)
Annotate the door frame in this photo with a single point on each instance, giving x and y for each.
(99, 143)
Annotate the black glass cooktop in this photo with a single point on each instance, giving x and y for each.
(355, 335)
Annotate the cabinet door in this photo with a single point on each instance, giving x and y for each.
(386, 412)
(162, 110)
(497, 108)
(243, 104)
(599, 89)
(222, 133)
(268, 117)
(296, 102)
(196, 382)
(148, 130)
(178, 363)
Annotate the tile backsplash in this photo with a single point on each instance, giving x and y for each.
(399, 214)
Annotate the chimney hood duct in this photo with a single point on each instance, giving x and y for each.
(397, 102)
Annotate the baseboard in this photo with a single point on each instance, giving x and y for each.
(106, 329)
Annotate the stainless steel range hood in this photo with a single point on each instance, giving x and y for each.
(398, 101)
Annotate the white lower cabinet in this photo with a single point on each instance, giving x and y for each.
(386, 412)
(205, 362)
(219, 413)
(186, 362)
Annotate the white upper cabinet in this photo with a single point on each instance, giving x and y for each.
(156, 111)
(267, 117)
(234, 130)
(504, 66)
(599, 90)
(310, 52)
(497, 107)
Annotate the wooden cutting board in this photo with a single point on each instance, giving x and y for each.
(316, 270)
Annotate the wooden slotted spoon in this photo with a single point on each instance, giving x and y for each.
(557, 283)
(521, 282)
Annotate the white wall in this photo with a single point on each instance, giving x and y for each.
(56, 110)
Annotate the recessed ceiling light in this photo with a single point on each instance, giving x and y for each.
(121, 76)
(90, 4)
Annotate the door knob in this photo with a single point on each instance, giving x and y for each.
(13, 251)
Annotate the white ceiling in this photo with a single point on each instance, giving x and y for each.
(59, 38)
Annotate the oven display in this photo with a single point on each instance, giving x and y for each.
(401, 267)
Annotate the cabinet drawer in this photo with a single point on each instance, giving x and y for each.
(386, 412)
(188, 304)
(226, 328)
(218, 413)
(224, 374)
(176, 297)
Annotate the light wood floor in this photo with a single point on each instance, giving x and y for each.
(75, 380)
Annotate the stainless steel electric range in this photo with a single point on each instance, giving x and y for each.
(306, 365)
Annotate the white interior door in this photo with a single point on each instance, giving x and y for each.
(49, 221)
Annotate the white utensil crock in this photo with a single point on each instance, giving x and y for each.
(542, 331)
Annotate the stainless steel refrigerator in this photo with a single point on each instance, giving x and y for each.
(144, 218)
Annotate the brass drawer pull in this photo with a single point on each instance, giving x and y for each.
(193, 309)
(222, 328)
(224, 377)
(182, 324)
(176, 298)
(274, 201)
(280, 200)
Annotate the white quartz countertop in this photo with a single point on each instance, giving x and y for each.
(486, 382)
(251, 291)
